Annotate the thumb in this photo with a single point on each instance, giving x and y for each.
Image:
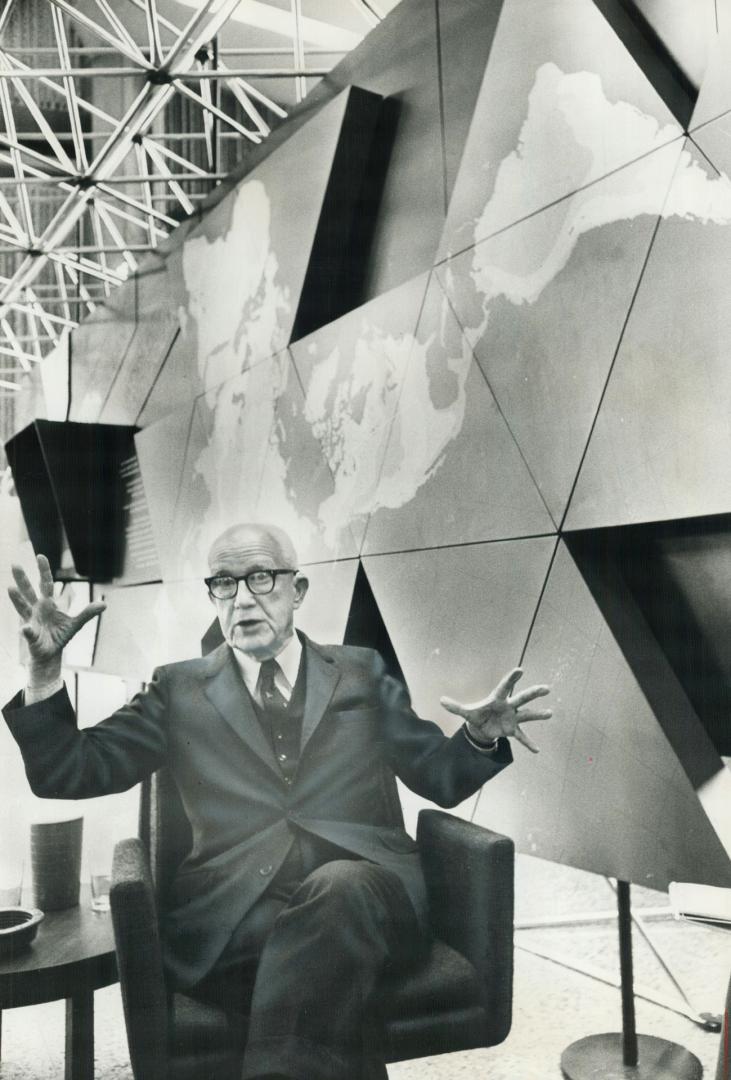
(89, 612)
(453, 706)
(30, 635)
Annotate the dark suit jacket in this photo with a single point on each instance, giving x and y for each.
(196, 717)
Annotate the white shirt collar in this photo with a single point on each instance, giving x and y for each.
(289, 662)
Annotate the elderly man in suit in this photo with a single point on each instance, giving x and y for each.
(301, 885)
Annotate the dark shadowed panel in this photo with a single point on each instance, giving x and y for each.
(607, 793)
(561, 105)
(458, 618)
(679, 576)
(452, 472)
(352, 373)
(544, 304)
(98, 347)
(158, 295)
(668, 456)
(244, 264)
(399, 60)
(466, 32)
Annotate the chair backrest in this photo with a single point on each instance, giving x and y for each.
(163, 828)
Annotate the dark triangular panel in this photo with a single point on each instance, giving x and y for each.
(365, 626)
(335, 279)
(656, 42)
(677, 573)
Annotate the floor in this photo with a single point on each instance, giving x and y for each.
(553, 1005)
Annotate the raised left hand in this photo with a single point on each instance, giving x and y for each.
(498, 714)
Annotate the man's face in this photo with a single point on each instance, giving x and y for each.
(257, 625)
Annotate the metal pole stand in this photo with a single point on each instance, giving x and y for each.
(627, 1055)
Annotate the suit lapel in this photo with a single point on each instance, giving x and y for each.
(226, 691)
(322, 678)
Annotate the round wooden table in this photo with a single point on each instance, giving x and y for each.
(71, 957)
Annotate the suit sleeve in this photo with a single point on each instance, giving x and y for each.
(62, 762)
(444, 770)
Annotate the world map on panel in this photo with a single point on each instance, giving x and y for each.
(348, 404)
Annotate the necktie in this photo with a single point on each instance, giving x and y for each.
(271, 697)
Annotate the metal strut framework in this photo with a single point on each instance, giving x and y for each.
(87, 185)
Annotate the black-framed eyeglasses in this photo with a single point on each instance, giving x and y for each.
(258, 582)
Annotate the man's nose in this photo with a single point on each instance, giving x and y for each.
(244, 598)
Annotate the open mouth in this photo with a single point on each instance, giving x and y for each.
(249, 624)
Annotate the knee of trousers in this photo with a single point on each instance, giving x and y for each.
(352, 886)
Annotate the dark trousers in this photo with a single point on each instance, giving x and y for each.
(304, 968)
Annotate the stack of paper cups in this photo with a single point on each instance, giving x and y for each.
(55, 853)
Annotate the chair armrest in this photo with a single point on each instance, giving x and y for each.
(469, 875)
(139, 960)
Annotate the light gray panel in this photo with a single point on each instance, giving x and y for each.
(458, 619)
(158, 293)
(352, 373)
(544, 304)
(54, 374)
(660, 448)
(324, 613)
(714, 97)
(606, 793)
(573, 106)
(252, 455)
(452, 472)
(98, 347)
(161, 452)
(714, 139)
(148, 625)
(243, 266)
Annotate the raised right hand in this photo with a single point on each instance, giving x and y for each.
(46, 628)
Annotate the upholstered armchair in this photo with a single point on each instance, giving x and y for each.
(457, 998)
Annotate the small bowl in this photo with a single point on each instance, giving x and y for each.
(18, 927)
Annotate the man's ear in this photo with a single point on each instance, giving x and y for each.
(301, 585)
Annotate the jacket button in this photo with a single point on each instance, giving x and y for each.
(265, 871)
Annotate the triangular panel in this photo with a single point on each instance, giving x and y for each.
(157, 325)
(573, 106)
(466, 33)
(669, 458)
(452, 472)
(458, 619)
(607, 793)
(98, 348)
(244, 265)
(161, 452)
(352, 372)
(325, 611)
(714, 97)
(544, 304)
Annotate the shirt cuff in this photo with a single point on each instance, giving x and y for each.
(481, 747)
(34, 694)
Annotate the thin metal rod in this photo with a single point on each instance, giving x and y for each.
(624, 925)
(638, 920)
(183, 76)
(121, 46)
(108, 50)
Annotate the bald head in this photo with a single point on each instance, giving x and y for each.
(255, 622)
(252, 539)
